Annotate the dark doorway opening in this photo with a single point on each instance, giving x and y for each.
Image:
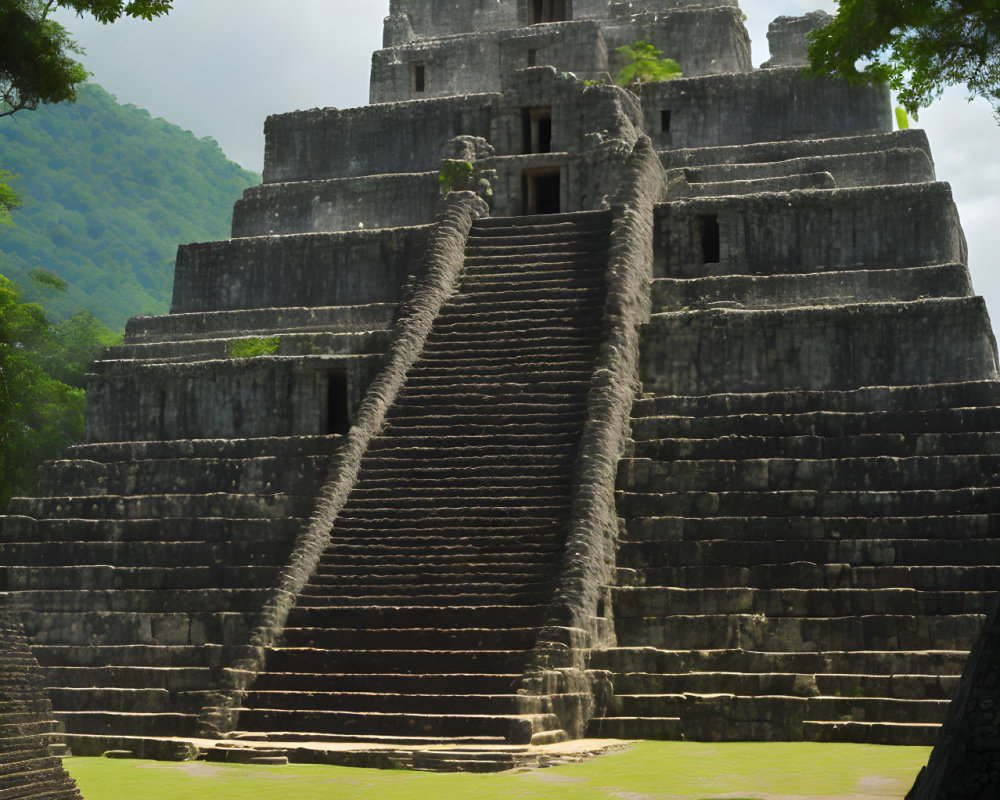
(337, 415)
(419, 78)
(708, 229)
(541, 189)
(547, 11)
(538, 130)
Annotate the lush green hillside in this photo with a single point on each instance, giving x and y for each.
(108, 195)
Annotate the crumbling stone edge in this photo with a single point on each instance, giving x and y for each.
(427, 292)
(580, 615)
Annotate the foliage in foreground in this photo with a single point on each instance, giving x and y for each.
(41, 385)
(918, 46)
(38, 59)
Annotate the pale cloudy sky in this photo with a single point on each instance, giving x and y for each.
(219, 67)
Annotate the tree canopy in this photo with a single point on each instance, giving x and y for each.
(918, 46)
(38, 58)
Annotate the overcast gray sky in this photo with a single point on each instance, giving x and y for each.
(219, 67)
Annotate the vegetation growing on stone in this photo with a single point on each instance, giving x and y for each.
(454, 176)
(254, 346)
(108, 193)
(645, 65)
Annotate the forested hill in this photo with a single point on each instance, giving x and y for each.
(109, 193)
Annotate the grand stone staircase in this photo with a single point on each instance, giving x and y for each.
(809, 504)
(143, 565)
(422, 615)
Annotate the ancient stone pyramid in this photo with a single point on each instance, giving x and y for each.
(676, 416)
(29, 735)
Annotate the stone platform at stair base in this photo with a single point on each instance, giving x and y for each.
(385, 754)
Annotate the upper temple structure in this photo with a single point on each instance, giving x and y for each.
(522, 407)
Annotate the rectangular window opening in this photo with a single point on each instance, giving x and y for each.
(419, 77)
(665, 121)
(337, 414)
(547, 11)
(711, 247)
(538, 130)
(532, 57)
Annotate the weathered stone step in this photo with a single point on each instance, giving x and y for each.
(500, 442)
(460, 530)
(390, 701)
(746, 186)
(944, 396)
(788, 474)
(148, 656)
(444, 351)
(638, 601)
(882, 167)
(387, 561)
(496, 513)
(811, 288)
(822, 424)
(806, 575)
(578, 367)
(267, 532)
(274, 446)
(125, 700)
(515, 729)
(537, 268)
(285, 344)
(137, 554)
(768, 153)
(436, 595)
(878, 733)
(171, 679)
(434, 462)
(414, 662)
(376, 316)
(331, 638)
(727, 631)
(173, 628)
(446, 683)
(958, 526)
(217, 504)
(862, 553)
(894, 445)
(165, 577)
(904, 687)
(484, 330)
(386, 617)
(293, 475)
(446, 579)
(542, 223)
(418, 494)
(557, 421)
(447, 484)
(525, 237)
(121, 723)
(651, 660)
(777, 709)
(514, 383)
(797, 503)
(645, 727)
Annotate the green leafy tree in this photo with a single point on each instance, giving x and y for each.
(917, 46)
(9, 199)
(38, 58)
(41, 385)
(645, 64)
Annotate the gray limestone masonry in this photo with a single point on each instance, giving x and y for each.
(522, 406)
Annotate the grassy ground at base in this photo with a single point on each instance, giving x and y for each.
(647, 771)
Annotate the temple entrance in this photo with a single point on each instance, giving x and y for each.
(547, 11)
(540, 190)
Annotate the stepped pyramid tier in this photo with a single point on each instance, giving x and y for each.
(520, 407)
(30, 738)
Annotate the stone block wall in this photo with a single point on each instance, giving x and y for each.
(811, 231)
(314, 270)
(762, 106)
